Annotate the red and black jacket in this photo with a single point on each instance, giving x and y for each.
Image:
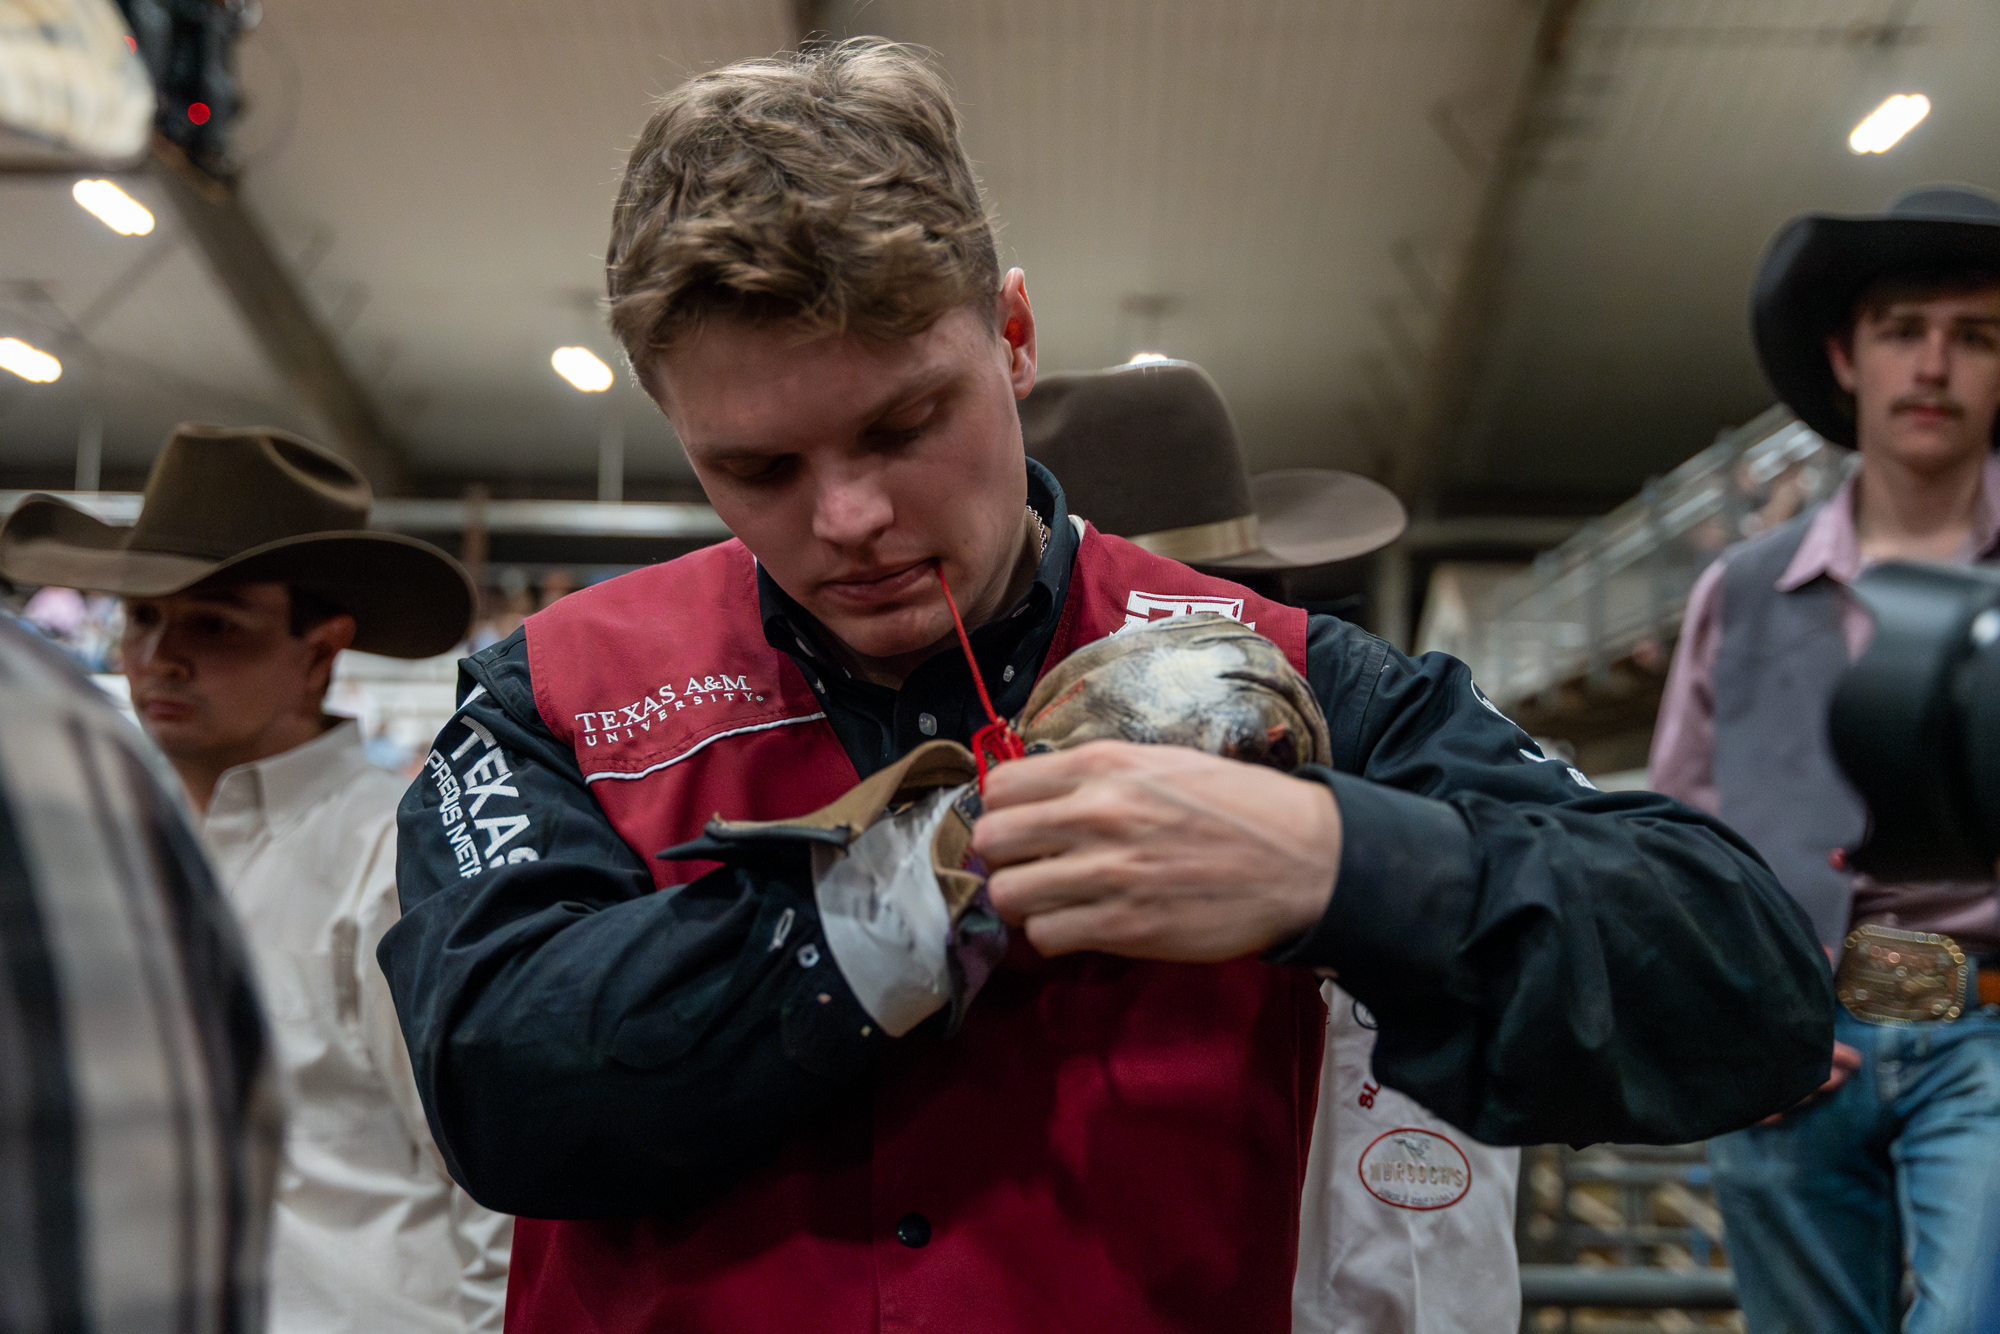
(1106, 1141)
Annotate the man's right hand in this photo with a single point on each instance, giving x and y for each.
(1846, 1060)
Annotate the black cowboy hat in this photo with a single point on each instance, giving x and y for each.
(1149, 452)
(1818, 265)
(252, 504)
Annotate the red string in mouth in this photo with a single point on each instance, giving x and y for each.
(998, 738)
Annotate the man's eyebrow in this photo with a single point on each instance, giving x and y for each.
(1915, 310)
(928, 381)
(227, 595)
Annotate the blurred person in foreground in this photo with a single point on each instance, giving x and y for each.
(139, 1114)
(247, 573)
(1866, 1210)
(735, 1105)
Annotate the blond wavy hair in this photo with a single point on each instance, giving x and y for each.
(826, 188)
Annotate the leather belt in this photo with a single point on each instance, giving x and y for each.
(1887, 976)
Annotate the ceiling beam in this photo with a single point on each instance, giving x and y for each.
(1472, 308)
(281, 320)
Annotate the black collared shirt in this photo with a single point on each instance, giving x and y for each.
(1546, 962)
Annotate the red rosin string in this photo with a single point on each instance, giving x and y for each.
(998, 737)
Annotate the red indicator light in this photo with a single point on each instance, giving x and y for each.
(198, 112)
(130, 43)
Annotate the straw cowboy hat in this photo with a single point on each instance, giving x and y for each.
(251, 504)
(1818, 265)
(1149, 453)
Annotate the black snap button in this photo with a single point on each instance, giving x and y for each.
(914, 1231)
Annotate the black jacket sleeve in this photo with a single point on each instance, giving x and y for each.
(587, 1047)
(1548, 962)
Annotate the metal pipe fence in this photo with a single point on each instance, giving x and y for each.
(1616, 590)
(1622, 1237)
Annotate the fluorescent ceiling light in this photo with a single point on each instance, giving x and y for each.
(580, 366)
(1148, 358)
(28, 362)
(113, 207)
(1888, 123)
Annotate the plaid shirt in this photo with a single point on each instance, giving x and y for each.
(139, 1121)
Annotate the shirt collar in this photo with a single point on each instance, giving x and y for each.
(788, 626)
(1832, 545)
(281, 787)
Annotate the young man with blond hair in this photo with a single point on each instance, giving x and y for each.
(698, 1087)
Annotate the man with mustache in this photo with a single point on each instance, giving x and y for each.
(1882, 333)
(748, 1097)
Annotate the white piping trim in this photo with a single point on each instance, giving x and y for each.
(738, 731)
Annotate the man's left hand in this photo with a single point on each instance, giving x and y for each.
(1156, 852)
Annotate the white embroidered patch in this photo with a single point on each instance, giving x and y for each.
(1144, 608)
(1415, 1169)
(464, 803)
(624, 723)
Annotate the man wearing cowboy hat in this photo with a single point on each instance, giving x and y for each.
(250, 568)
(1106, 432)
(1364, 1264)
(1882, 333)
(748, 1102)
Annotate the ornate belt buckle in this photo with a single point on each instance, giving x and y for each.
(1901, 977)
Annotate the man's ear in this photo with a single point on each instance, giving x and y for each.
(324, 643)
(1015, 319)
(1840, 356)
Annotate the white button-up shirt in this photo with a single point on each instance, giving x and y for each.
(371, 1235)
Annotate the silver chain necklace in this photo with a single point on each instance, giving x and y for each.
(1041, 533)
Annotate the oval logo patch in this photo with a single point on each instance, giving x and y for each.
(1415, 1169)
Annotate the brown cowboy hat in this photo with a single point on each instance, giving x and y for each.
(252, 504)
(1149, 452)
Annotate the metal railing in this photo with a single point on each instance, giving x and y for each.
(1616, 590)
(1621, 1229)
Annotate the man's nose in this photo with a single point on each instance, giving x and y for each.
(851, 508)
(1934, 357)
(147, 650)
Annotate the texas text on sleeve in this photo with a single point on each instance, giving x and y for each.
(1547, 962)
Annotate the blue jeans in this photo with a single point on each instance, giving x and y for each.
(1876, 1196)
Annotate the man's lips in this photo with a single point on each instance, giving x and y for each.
(163, 710)
(1931, 411)
(892, 583)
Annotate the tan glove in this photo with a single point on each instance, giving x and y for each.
(901, 898)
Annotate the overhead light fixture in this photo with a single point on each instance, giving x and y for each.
(30, 363)
(580, 366)
(1148, 358)
(1887, 124)
(113, 207)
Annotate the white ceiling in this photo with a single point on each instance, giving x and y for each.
(1284, 185)
(1693, 129)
